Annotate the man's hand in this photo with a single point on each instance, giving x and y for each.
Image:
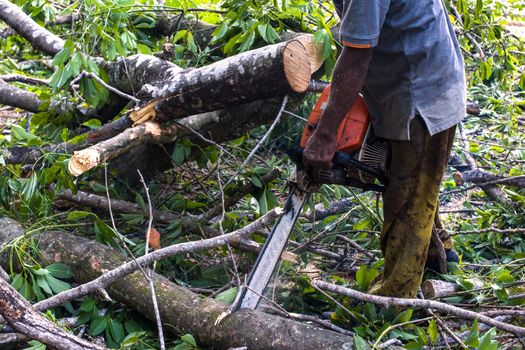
(320, 150)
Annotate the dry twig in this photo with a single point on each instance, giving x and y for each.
(420, 304)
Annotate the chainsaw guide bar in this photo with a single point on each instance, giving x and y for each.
(271, 252)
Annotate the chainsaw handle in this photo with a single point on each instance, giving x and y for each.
(341, 159)
(346, 160)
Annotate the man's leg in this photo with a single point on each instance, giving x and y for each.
(410, 204)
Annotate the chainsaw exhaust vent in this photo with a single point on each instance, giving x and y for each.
(374, 153)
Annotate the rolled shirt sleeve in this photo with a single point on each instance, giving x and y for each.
(361, 21)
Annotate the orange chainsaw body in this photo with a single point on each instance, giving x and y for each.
(351, 132)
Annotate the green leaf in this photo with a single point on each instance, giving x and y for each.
(228, 296)
(17, 281)
(93, 123)
(183, 346)
(248, 41)
(20, 134)
(78, 215)
(60, 270)
(189, 339)
(360, 343)
(271, 34)
(88, 305)
(98, 325)
(365, 276)
(255, 180)
(478, 9)
(472, 339)
(404, 316)
(57, 285)
(117, 330)
(228, 48)
(75, 63)
(487, 342)
(219, 32)
(180, 153)
(432, 331)
(262, 29)
(132, 339)
(42, 283)
(63, 55)
(132, 326)
(39, 271)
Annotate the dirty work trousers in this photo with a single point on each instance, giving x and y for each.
(410, 205)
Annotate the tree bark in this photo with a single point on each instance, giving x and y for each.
(270, 71)
(39, 37)
(16, 97)
(479, 176)
(22, 317)
(185, 311)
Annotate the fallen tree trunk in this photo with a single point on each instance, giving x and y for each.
(270, 71)
(184, 310)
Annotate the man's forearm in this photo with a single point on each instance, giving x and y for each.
(347, 81)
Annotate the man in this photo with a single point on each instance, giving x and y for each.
(405, 59)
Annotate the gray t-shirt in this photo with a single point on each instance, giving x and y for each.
(416, 66)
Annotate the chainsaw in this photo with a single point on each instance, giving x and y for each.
(361, 161)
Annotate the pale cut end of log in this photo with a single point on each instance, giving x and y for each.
(82, 161)
(295, 57)
(435, 289)
(314, 51)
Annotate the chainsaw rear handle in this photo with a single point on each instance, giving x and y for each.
(341, 159)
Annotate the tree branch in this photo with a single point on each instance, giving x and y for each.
(41, 39)
(22, 317)
(420, 304)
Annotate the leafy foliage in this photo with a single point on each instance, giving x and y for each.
(110, 29)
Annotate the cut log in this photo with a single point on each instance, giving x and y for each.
(435, 289)
(270, 71)
(185, 311)
(313, 49)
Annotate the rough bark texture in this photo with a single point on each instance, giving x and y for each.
(181, 310)
(22, 317)
(270, 71)
(130, 74)
(13, 96)
(39, 37)
(478, 176)
(59, 19)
